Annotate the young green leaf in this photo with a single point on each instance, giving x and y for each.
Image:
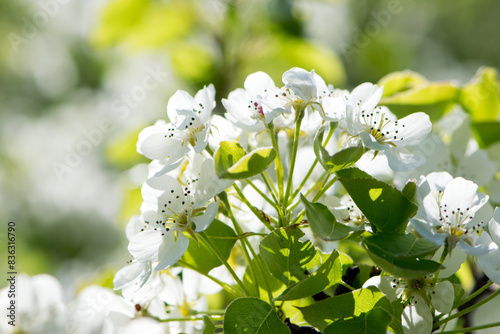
(327, 275)
(340, 160)
(480, 97)
(400, 81)
(227, 155)
(373, 322)
(353, 304)
(387, 209)
(400, 255)
(264, 280)
(209, 325)
(252, 316)
(199, 256)
(323, 223)
(231, 162)
(286, 257)
(486, 133)
(434, 98)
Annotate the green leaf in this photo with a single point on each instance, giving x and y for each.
(400, 81)
(139, 24)
(231, 162)
(387, 209)
(252, 316)
(209, 325)
(274, 284)
(486, 133)
(480, 97)
(340, 160)
(327, 275)
(227, 155)
(435, 99)
(406, 245)
(286, 257)
(353, 304)
(323, 223)
(400, 255)
(372, 322)
(199, 257)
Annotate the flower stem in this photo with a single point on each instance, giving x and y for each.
(194, 318)
(476, 293)
(467, 310)
(245, 244)
(470, 329)
(279, 164)
(441, 261)
(297, 191)
(224, 285)
(264, 196)
(292, 162)
(221, 258)
(252, 208)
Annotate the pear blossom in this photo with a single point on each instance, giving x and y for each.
(189, 127)
(245, 107)
(41, 305)
(171, 208)
(417, 295)
(381, 131)
(345, 210)
(489, 263)
(447, 212)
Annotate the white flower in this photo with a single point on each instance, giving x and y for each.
(447, 212)
(300, 91)
(333, 101)
(417, 295)
(381, 131)
(244, 106)
(171, 208)
(40, 304)
(490, 262)
(189, 127)
(345, 210)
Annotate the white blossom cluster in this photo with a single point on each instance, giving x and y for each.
(182, 195)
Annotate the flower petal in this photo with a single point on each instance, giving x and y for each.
(301, 82)
(417, 317)
(145, 245)
(427, 231)
(402, 160)
(171, 250)
(204, 220)
(443, 296)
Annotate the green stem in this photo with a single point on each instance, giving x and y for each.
(264, 196)
(270, 185)
(475, 293)
(221, 258)
(297, 191)
(470, 329)
(244, 243)
(467, 310)
(254, 255)
(252, 208)
(292, 162)
(193, 318)
(279, 164)
(441, 261)
(224, 285)
(302, 213)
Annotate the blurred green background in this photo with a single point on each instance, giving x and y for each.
(80, 79)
